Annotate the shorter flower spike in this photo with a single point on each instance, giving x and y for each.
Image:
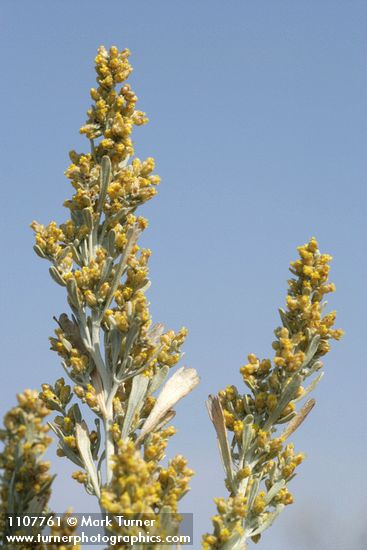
(26, 481)
(258, 463)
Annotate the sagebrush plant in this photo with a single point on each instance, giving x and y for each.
(113, 355)
(118, 362)
(258, 461)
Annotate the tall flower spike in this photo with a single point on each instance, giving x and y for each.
(259, 463)
(115, 358)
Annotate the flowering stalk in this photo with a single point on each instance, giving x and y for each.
(26, 480)
(258, 462)
(114, 357)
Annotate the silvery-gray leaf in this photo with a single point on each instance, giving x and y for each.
(75, 412)
(54, 427)
(83, 444)
(284, 318)
(180, 384)
(298, 419)
(287, 418)
(123, 163)
(310, 388)
(253, 492)
(158, 379)
(132, 236)
(164, 420)
(76, 217)
(64, 252)
(268, 521)
(98, 442)
(100, 393)
(56, 276)
(111, 240)
(155, 333)
(273, 473)
(105, 179)
(274, 490)
(106, 270)
(70, 454)
(115, 338)
(216, 415)
(246, 403)
(38, 250)
(131, 336)
(247, 434)
(236, 542)
(73, 293)
(311, 369)
(129, 309)
(88, 218)
(312, 349)
(146, 286)
(136, 401)
(67, 345)
(287, 395)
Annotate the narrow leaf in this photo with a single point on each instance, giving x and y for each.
(269, 520)
(104, 181)
(136, 401)
(83, 444)
(298, 419)
(216, 415)
(180, 384)
(57, 277)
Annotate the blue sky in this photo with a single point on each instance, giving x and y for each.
(258, 127)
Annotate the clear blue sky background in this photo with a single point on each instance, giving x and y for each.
(258, 126)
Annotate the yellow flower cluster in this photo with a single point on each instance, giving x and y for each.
(259, 458)
(75, 356)
(303, 324)
(57, 397)
(132, 489)
(113, 113)
(134, 184)
(85, 250)
(89, 395)
(26, 478)
(111, 119)
(174, 481)
(227, 523)
(140, 485)
(48, 239)
(288, 461)
(64, 530)
(66, 425)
